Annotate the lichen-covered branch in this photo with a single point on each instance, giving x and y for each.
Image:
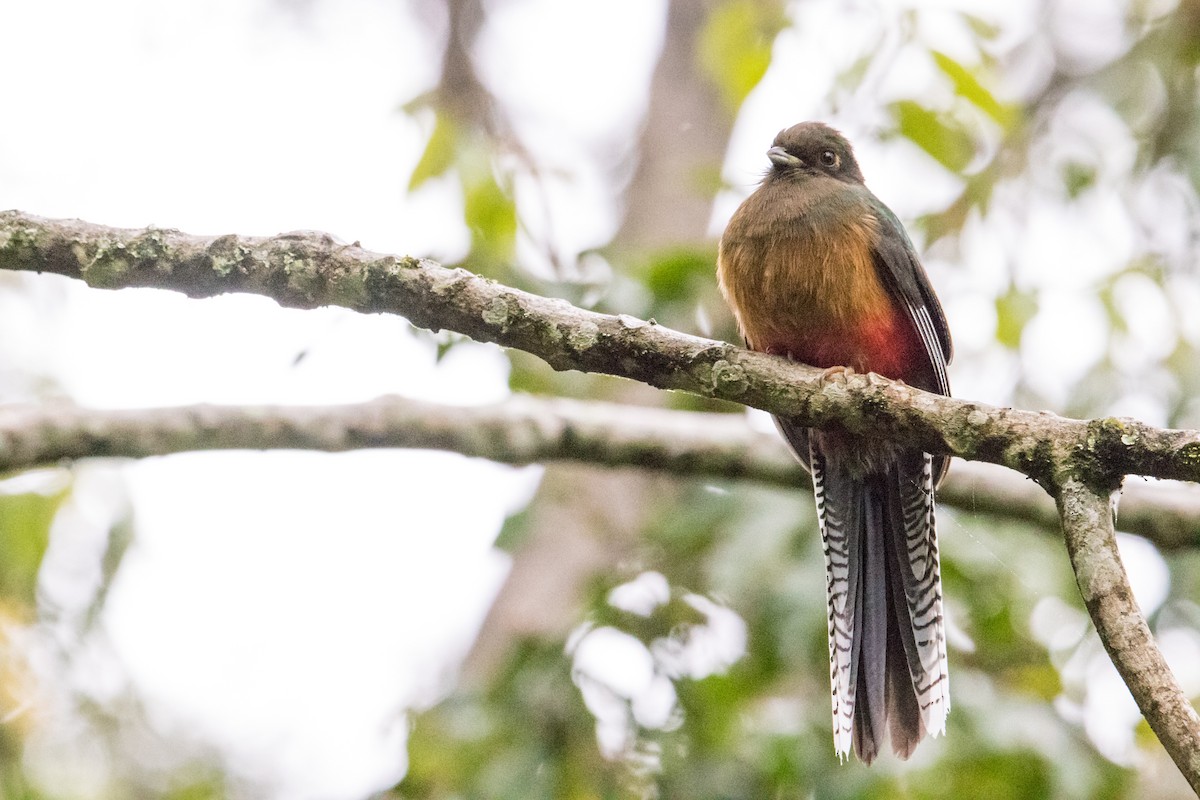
(529, 430)
(522, 430)
(1088, 529)
(306, 269)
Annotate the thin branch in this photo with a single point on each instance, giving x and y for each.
(307, 269)
(522, 430)
(1092, 545)
(529, 430)
(1167, 515)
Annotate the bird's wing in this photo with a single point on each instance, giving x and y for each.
(901, 271)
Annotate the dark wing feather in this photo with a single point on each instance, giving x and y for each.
(900, 268)
(909, 494)
(902, 273)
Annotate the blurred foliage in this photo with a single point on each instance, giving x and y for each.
(58, 738)
(735, 46)
(25, 519)
(759, 725)
(949, 142)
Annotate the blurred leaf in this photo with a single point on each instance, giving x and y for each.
(25, 521)
(1077, 178)
(444, 341)
(1014, 309)
(735, 46)
(528, 737)
(1107, 294)
(514, 531)
(206, 787)
(849, 79)
(676, 287)
(675, 275)
(440, 152)
(1040, 680)
(976, 195)
(491, 215)
(1182, 363)
(981, 27)
(530, 375)
(968, 87)
(947, 141)
(120, 537)
(1012, 775)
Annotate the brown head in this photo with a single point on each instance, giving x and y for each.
(810, 149)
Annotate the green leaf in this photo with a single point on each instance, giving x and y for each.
(981, 27)
(24, 532)
(968, 87)
(491, 215)
(1107, 295)
(439, 152)
(851, 78)
(674, 275)
(528, 374)
(735, 46)
(517, 528)
(1077, 178)
(443, 341)
(1014, 309)
(947, 141)
(991, 776)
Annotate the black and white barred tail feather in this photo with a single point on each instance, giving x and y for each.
(887, 648)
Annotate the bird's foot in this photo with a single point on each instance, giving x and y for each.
(837, 374)
(875, 379)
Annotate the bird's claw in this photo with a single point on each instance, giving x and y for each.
(875, 379)
(839, 374)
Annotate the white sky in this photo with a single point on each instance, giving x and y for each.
(269, 600)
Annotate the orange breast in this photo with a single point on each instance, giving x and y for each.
(805, 284)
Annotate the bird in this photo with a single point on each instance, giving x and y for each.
(816, 269)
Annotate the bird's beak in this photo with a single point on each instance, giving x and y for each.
(782, 158)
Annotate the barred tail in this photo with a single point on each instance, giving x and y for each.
(887, 647)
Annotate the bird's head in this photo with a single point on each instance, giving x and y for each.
(810, 149)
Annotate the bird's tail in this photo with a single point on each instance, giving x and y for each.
(887, 645)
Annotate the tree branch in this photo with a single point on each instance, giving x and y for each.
(529, 430)
(1078, 462)
(306, 270)
(1088, 529)
(523, 430)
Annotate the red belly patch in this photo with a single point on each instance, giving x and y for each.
(887, 345)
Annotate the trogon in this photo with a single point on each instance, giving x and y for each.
(818, 270)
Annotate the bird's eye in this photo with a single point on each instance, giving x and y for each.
(829, 158)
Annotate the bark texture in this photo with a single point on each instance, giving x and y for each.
(528, 430)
